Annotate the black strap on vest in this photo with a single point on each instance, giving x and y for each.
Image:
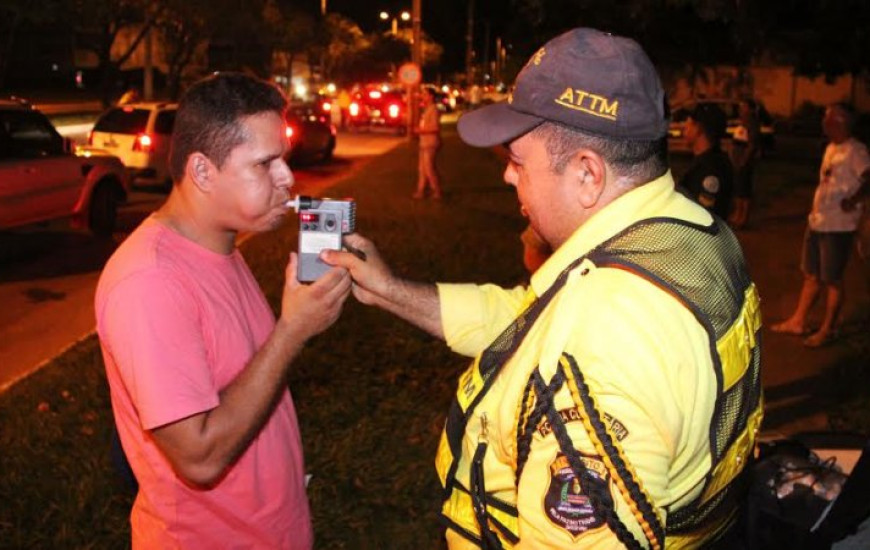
(491, 361)
(489, 540)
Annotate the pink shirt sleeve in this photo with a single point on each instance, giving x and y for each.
(153, 330)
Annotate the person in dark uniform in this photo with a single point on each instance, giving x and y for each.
(709, 180)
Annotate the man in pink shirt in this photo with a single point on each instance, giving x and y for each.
(196, 362)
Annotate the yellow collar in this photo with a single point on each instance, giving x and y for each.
(652, 199)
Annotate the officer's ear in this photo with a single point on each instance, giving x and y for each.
(588, 174)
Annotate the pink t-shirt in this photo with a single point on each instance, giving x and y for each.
(177, 323)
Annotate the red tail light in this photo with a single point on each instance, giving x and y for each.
(142, 143)
(288, 132)
(393, 109)
(353, 109)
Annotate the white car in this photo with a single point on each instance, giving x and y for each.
(41, 179)
(138, 134)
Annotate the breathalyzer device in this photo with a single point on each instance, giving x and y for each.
(322, 223)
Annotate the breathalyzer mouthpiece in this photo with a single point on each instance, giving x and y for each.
(298, 202)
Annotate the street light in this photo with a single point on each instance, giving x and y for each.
(404, 16)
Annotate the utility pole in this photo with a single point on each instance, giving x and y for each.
(469, 46)
(148, 66)
(417, 59)
(498, 67)
(487, 68)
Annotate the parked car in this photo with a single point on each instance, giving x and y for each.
(311, 133)
(41, 178)
(379, 107)
(138, 134)
(390, 111)
(680, 113)
(444, 101)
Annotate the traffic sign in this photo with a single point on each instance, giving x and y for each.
(410, 74)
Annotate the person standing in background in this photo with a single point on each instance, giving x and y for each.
(745, 151)
(709, 180)
(844, 183)
(430, 141)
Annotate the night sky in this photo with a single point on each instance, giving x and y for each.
(444, 20)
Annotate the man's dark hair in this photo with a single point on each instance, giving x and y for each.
(849, 114)
(209, 117)
(635, 161)
(712, 120)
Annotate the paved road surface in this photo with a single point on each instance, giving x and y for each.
(48, 273)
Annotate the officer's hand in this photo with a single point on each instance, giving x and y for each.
(309, 309)
(371, 276)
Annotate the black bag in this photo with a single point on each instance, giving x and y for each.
(798, 501)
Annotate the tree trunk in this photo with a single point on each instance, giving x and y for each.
(290, 74)
(6, 53)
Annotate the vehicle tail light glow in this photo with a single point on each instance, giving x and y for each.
(142, 143)
(393, 109)
(288, 132)
(353, 109)
(375, 94)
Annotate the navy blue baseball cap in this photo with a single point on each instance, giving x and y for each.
(585, 79)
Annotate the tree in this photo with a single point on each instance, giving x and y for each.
(342, 41)
(291, 32)
(185, 27)
(14, 14)
(99, 23)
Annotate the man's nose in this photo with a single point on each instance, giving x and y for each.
(285, 178)
(509, 174)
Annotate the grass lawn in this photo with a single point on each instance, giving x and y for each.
(371, 393)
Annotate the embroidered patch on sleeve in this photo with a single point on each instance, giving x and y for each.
(572, 414)
(565, 505)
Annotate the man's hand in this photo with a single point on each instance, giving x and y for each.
(310, 309)
(372, 276)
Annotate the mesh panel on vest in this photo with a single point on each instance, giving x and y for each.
(703, 264)
(706, 268)
(724, 502)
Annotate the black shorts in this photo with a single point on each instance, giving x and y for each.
(826, 254)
